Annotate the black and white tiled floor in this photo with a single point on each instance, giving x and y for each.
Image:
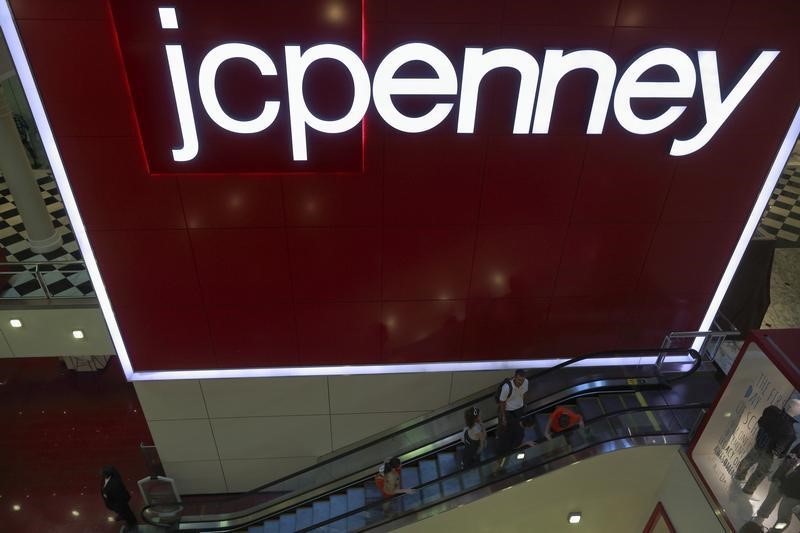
(64, 278)
(782, 216)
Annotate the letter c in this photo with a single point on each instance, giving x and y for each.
(208, 91)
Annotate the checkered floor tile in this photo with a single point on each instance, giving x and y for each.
(782, 216)
(65, 280)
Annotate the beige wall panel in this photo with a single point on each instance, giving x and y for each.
(466, 383)
(232, 398)
(275, 436)
(389, 393)
(245, 474)
(197, 477)
(183, 440)
(347, 429)
(684, 502)
(171, 400)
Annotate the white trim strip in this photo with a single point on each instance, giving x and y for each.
(60, 174)
(775, 170)
(354, 370)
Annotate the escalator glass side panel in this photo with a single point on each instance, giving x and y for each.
(594, 434)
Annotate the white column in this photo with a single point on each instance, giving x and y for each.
(17, 172)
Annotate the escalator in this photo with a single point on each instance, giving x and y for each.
(636, 403)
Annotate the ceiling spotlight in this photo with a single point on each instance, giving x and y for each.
(77, 334)
(75, 513)
(110, 518)
(15, 323)
(520, 456)
(16, 507)
(780, 525)
(574, 518)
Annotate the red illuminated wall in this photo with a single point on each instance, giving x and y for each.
(447, 247)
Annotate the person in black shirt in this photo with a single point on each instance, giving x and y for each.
(775, 436)
(116, 497)
(785, 488)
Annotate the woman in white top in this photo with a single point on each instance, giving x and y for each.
(474, 437)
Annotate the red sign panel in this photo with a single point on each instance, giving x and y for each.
(387, 245)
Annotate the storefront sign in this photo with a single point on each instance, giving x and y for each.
(534, 100)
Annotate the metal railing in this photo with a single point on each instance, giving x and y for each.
(45, 280)
(722, 328)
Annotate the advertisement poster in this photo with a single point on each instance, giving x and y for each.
(749, 437)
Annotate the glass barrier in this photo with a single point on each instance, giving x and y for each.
(596, 434)
(420, 436)
(44, 280)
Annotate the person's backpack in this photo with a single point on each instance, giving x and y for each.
(771, 421)
(499, 390)
(380, 479)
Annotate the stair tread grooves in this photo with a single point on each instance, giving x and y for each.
(287, 523)
(305, 517)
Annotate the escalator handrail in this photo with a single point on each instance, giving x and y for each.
(460, 405)
(418, 488)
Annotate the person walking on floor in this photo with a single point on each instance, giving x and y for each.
(784, 492)
(775, 436)
(116, 497)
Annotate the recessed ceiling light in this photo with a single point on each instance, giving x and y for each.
(110, 518)
(16, 507)
(520, 456)
(574, 518)
(780, 525)
(77, 333)
(75, 513)
(15, 323)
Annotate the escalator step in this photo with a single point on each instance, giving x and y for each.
(272, 526)
(409, 478)
(590, 407)
(451, 486)
(631, 401)
(447, 466)
(611, 403)
(447, 463)
(471, 478)
(666, 420)
(305, 517)
(428, 471)
(653, 397)
(338, 504)
(637, 421)
(320, 511)
(287, 523)
(338, 507)
(687, 418)
(371, 491)
(356, 499)
(541, 422)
